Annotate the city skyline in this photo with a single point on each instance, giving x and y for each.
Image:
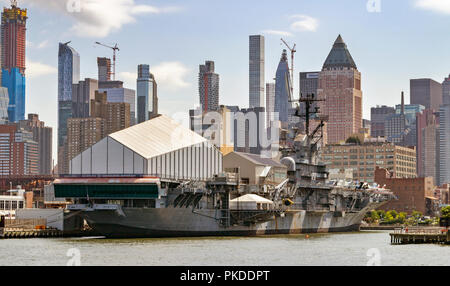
(174, 58)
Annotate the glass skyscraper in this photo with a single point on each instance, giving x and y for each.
(283, 88)
(13, 34)
(147, 100)
(68, 74)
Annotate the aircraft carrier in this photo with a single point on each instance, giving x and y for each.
(305, 202)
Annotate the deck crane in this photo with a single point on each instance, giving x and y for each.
(293, 51)
(115, 49)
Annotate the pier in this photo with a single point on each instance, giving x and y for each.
(27, 228)
(416, 235)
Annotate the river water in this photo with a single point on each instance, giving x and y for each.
(358, 249)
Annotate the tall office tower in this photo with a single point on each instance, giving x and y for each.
(426, 92)
(13, 32)
(410, 111)
(208, 87)
(428, 144)
(283, 89)
(256, 71)
(270, 103)
(82, 94)
(115, 114)
(340, 87)
(378, 116)
(68, 74)
(444, 144)
(19, 154)
(43, 136)
(121, 94)
(82, 133)
(309, 82)
(4, 101)
(104, 69)
(446, 91)
(147, 97)
(395, 125)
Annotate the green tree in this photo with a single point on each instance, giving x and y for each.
(353, 140)
(445, 212)
(417, 214)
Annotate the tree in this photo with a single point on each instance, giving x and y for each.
(445, 212)
(353, 140)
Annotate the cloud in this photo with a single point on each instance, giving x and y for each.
(278, 33)
(439, 6)
(99, 18)
(304, 23)
(36, 69)
(168, 75)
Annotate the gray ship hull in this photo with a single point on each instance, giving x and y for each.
(182, 222)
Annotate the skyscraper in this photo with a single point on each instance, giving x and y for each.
(147, 98)
(43, 136)
(68, 74)
(256, 71)
(82, 94)
(19, 154)
(426, 92)
(444, 144)
(121, 94)
(446, 91)
(283, 88)
(115, 114)
(208, 87)
(428, 144)
(104, 69)
(378, 117)
(340, 87)
(270, 103)
(13, 30)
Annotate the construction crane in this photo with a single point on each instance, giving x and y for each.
(115, 49)
(293, 51)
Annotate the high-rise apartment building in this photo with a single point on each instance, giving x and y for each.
(283, 89)
(19, 154)
(122, 94)
(428, 144)
(68, 75)
(208, 87)
(82, 94)
(147, 96)
(13, 36)
(426, 92)
(43, 136)
(378, 117)
(270, 103)
(104, 69)
(82, 133)
(256, 71)
(115, 114)
(340, 87)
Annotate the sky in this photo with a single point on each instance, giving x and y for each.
(390, 41)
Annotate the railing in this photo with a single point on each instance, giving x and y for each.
(420, 230)
(24, 223)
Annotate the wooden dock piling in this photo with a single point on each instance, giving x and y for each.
(417, 235)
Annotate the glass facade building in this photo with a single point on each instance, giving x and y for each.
(283, 88)
(147, 100)
(68, 74)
